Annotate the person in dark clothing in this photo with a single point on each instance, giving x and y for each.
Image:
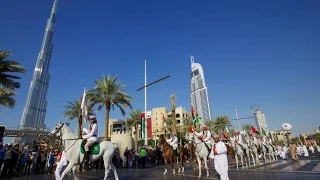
(7, 161)
(14, 159)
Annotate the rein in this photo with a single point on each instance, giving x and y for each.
(196, 144)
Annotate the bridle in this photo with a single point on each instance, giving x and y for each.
(59, 129)
(195, 144)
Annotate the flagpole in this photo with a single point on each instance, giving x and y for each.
(235, 108)
(145, 103)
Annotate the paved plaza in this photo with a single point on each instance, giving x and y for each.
(306, 168)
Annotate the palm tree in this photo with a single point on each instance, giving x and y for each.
(221, 123)
(109, 93)
(210, 123)
(173, 108)
(6, 97)
(134, 120)
(7, 67)
(247, 127)
(73, 111)
(169, 123)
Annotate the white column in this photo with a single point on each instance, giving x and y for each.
(145, 103)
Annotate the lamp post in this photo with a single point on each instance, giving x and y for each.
(145, 97)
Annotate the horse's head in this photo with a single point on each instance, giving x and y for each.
(63, 131)
(56, 131)
(191, 138)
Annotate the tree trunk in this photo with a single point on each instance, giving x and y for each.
(174, 121)
(79, 126)
(106, 124)
(136, 139)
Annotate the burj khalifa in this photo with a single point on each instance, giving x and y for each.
(34, 113)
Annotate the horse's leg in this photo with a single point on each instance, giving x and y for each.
(74, 169)
(68, 168)
(206, 165)
(171, 161)
(199, 165)
(241, 158)
(114, 169)
(180, 161)
(165, 165)
(253, 159)
(237, 161)
(182, 166)
(257, 157)
(106, 161)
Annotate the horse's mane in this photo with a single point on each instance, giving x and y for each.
(69, 131)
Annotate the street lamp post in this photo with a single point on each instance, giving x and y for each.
(145, 97)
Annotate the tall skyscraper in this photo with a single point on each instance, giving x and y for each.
(34, 112)
(261, 121)
(199, 91)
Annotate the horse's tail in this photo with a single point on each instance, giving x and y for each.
(115, 145)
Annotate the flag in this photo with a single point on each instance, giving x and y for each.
(192, 110)
(196, 120)
(191, 129)
(264, 132)
(224, 136)
(164, 120)
(227, 129)
(254, 131)
(194, 117)
(84, 105)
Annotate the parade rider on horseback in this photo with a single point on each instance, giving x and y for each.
(91, 136)
(239, 139)
(173, 142)
(204, 136)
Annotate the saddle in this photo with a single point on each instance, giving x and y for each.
(94, 149)
(175, 152)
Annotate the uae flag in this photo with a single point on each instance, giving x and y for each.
(194, 117)
(164, 120)
(254, 131)
(224, 136)
(264, 132)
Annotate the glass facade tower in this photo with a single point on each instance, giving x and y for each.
(34, 112)
(199, 92)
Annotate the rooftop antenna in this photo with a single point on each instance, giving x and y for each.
(192, 59)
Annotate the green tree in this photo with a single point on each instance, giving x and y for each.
(73, 111)
(211, 124)
(109, 93)
(316, 137)
(220, 124)
(6, 97)
(8, 80)
(247, 127)
(134, 120)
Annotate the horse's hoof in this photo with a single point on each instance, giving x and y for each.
(179, 170)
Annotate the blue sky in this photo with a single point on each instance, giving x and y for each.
(253, 52)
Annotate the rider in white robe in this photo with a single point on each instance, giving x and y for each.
(91, 135)
(205, 135)
(173, 141)
(311, 148)
(219, 154)
(61, 164)
(305, 150)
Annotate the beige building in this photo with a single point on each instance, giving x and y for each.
(157, 118)
(281, 135)
(117, 126)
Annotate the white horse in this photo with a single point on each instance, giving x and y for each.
(264, 153)
(252, 150)
(272, 152)
(201, 152)
(72, 150)
(238, 152)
